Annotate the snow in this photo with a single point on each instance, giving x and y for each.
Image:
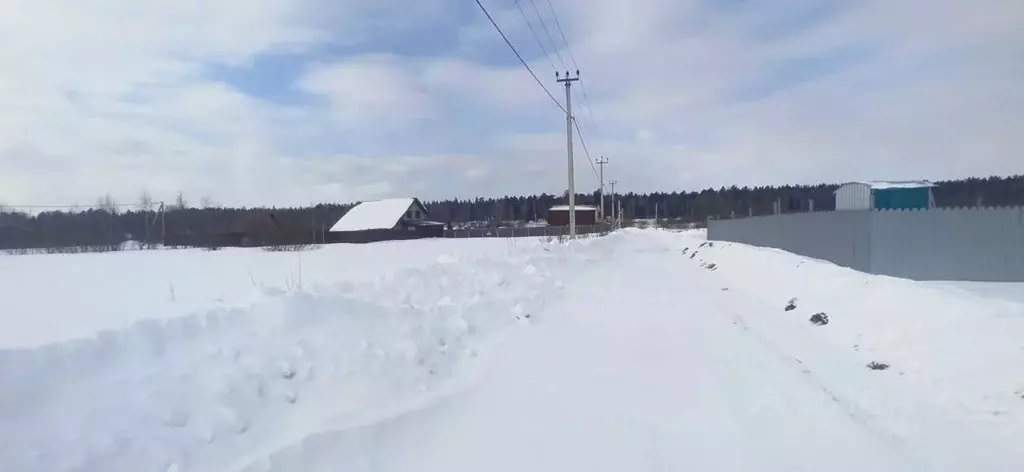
(57, 297)
(379, 214)
(1013, 291)
(887, 184)
(618, 353)
(578, 208)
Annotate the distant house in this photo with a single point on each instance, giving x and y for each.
(558, 215)
(380, 220)
(885, 195)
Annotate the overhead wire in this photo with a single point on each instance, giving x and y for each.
(586, 150)
(536, 37)
(586, 97)
(548, 33)
(519, 56)
(561, 32)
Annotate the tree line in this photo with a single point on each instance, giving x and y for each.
(109, 226)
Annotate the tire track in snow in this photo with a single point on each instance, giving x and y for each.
(725, 300)
(901, 414)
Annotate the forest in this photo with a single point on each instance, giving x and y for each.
(108, 226)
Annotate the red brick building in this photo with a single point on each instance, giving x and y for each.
(558, 215)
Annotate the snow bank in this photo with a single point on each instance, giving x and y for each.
(210, 391)
(950, 349)
(58, 297)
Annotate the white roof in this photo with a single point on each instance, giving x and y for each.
(380, 214)
(884, 184)
(566, 208)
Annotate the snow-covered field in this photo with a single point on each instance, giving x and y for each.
(627, 352)
(49, 298)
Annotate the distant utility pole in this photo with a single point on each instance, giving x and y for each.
(613, 201)
(602, 161)
(568, 80)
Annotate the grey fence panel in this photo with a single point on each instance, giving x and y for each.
(841, 237)
(980, 244)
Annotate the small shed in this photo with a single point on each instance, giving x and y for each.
(380, 220)
(586, 215)
(885, 195)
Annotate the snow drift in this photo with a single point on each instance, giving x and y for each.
(643, 350)
(201, 391)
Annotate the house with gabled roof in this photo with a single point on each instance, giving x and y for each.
(380, 220)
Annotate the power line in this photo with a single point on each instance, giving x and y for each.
(536, 37)
(586, 97)
(520, 57)
(562, 33)
(118, 205)
(584, 144)
(575, 123)
(548, 33)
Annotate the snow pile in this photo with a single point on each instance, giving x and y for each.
(113, 290)
(947, 349)
(203, 392)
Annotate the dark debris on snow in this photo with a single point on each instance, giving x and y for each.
(819, 319)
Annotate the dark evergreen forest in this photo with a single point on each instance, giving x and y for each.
(107, 227)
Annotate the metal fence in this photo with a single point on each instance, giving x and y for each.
(523, 231)
(557, 231)
(979, 244)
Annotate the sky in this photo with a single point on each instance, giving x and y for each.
(293, 102)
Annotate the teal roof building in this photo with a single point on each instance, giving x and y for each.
(885, 195)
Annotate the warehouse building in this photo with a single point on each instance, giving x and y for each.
(885, 195)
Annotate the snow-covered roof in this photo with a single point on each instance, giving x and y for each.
(885, 184)
(578, 208)
(380, 214)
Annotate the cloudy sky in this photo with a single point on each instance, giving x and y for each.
(287, 102)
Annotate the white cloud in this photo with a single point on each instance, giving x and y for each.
(373, 90)
(116, 96)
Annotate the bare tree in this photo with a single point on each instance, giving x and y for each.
(146, 201)
(107, 204)
(179, 201)
(206, 202)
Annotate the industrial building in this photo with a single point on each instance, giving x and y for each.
(885, 195)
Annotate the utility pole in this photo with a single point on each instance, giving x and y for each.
(613, 182)
(568, 80)
(163, 224)
(602, 161)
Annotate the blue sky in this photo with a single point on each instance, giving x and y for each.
(284, 102)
